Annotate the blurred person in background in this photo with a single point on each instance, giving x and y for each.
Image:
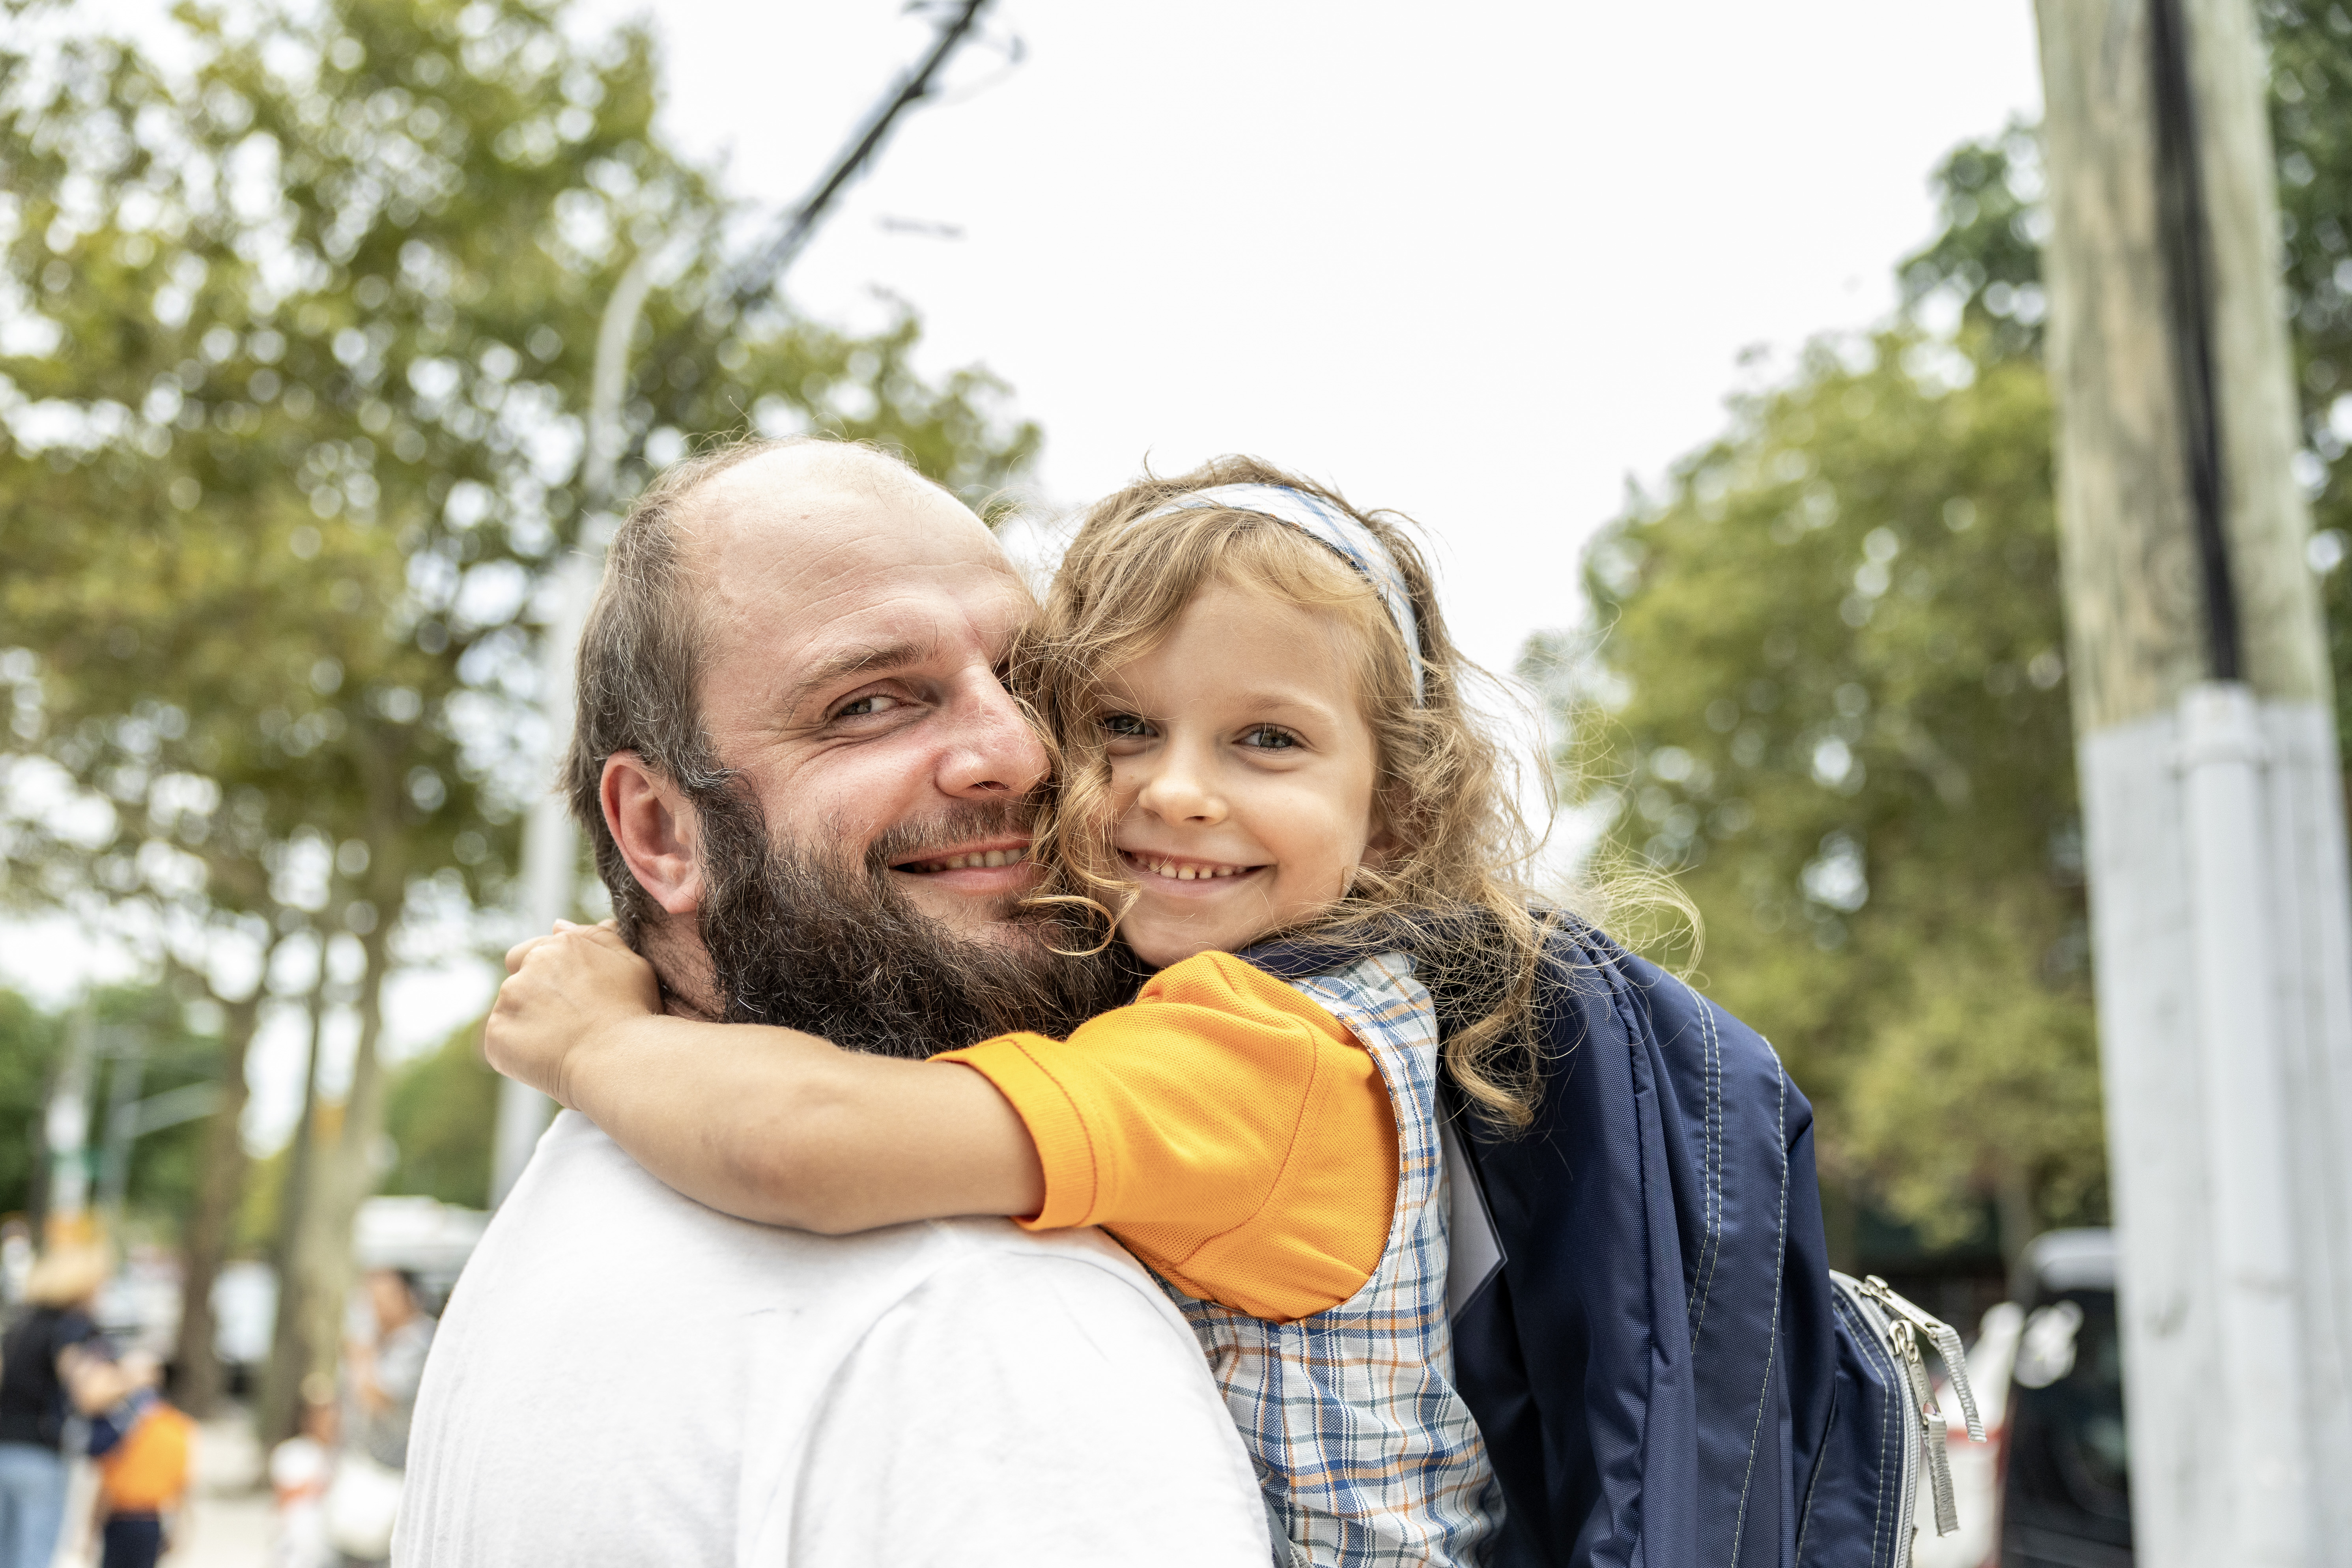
(301, 1470)
(38, 1355)
(380, 1382)
(143, 1447)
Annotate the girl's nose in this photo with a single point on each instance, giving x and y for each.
(1179, 791)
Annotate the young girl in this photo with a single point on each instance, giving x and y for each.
(1262, 733)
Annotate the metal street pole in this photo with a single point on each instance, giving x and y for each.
(129, 1053)
(2212, 786)
(66, 1129)
(551, 848)
(551, 861)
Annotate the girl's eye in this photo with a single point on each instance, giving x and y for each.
(1125, 727)
(1268, 738)
(866, 707)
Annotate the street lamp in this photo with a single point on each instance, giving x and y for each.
(551, 843)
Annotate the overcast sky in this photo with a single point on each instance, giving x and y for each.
(1478, 262)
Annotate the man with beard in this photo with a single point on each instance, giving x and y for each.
(809, 795)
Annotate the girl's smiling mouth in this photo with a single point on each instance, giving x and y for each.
(1180, 869)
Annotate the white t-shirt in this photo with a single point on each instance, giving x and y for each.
(627, 1377)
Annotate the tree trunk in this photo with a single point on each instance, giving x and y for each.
(278, 1412)
(219, 1185)
(346, 1174)
(2015, 1215)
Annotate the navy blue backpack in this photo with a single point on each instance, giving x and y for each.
(1667, 1371)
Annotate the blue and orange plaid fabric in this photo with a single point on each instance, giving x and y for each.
(1368, 1455)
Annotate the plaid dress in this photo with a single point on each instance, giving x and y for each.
(1367, 1454)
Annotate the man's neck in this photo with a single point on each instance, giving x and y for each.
(689, 989)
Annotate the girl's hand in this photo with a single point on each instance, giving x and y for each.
(562, 993)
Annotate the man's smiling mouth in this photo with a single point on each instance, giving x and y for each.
(978, 859)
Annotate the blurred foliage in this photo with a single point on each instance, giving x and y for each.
(29, 1038)
(442, 1113)
(177, 1055)
(164, 1165)
(1986, 267)
(2311, 118)
(293, 390)
(441, 1110)
(259, 1210)
(1834, 702)
(296, 320)
(1830, 691)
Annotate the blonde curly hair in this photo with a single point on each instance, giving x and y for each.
(1453, 893)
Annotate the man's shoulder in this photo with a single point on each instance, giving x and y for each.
(603, 1313)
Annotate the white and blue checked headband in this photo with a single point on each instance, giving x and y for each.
(1328, 526)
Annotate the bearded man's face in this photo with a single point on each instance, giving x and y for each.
(804, 936)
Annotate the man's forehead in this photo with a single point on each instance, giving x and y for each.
(768, 536)
(799, 570)
(813, 510)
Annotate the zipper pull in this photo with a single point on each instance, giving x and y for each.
(1933, 1429)
(1947, 1348)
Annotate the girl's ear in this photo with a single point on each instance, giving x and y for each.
(1385, 843)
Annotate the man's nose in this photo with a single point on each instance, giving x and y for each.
(994, 749)
(1181, 790)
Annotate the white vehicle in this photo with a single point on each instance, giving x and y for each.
(1976, 1467)
(2051, 1486)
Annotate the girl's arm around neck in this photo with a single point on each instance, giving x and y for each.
(768, 1124)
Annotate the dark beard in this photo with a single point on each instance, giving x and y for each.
(798, 938)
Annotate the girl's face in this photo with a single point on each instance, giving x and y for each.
(1242, 772)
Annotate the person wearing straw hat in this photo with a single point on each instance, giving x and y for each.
(36, 1359)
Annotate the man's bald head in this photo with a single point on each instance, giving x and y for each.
(644, 649)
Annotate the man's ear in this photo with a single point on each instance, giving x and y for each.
(657, 830)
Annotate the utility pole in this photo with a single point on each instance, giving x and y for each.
(2212, 794)
(66, 1130)
(122, 1085)
(550, 869)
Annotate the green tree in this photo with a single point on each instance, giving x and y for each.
(28, 1048)
(1834, 658)
(441, 1115)
(172, 1054)
(293, 371)
(1830, 691)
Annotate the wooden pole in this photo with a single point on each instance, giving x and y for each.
(2211, 793)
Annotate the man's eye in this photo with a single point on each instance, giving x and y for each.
(866, 707)
(1125, 727)
(1269, 738)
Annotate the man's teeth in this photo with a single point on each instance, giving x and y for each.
(1193, 873)
(974, 861)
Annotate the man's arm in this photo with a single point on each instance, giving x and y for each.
(1026, 1407)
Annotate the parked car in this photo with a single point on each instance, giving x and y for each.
(2066, 1493)
(2050, 1487)
(1976, 1467)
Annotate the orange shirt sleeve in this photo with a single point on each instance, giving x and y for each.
(1232, 1132)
